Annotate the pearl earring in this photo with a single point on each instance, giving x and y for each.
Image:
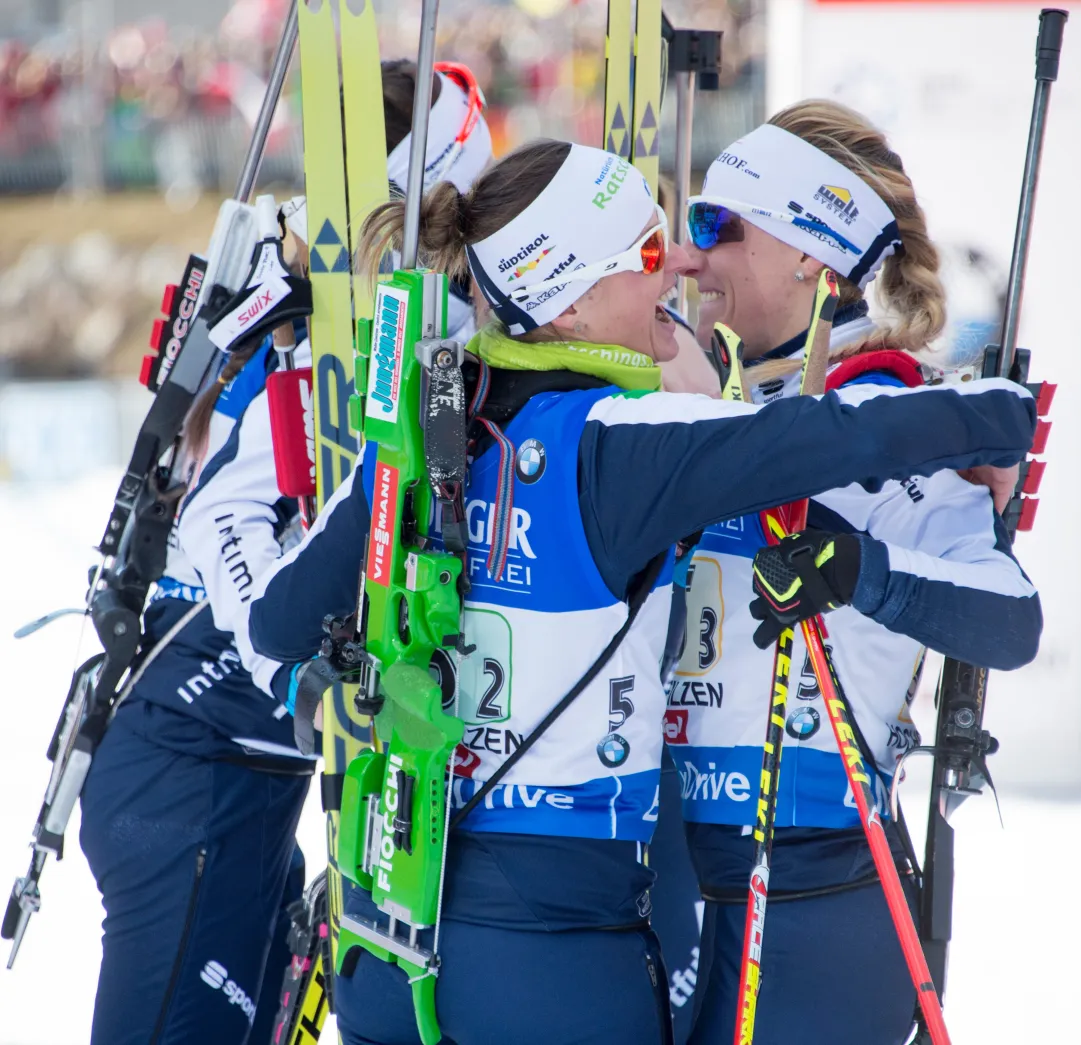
(800, 277)
(578, 328)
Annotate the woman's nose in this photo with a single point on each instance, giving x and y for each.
(678, 261)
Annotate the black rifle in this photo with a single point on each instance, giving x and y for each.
(134, 545)
(962, 745)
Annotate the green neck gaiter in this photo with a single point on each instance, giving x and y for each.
(622, 366)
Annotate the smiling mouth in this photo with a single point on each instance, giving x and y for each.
(706, 296)
(660, 313)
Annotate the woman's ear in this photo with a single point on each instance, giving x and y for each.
(810, 268)
(567, 320)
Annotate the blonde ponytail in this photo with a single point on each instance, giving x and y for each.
(908, 283)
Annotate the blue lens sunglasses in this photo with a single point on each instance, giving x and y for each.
(712, 220)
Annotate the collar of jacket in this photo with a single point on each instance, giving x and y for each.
(613, 364)
(848, 314)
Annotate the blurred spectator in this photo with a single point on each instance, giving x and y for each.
(539, 62)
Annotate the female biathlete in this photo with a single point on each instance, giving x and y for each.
(192, 802)
(545, 934)
(922, 562)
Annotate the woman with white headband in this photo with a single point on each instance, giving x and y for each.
(922, 562)
(191, 805)
(582, 477)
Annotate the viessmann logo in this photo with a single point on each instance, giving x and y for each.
(216, 976)
(384, 520)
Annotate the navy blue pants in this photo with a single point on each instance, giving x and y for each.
(832, 973)
(503, 986)
(677, 903)
(196, 861)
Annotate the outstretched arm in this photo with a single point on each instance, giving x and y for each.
(655, 467)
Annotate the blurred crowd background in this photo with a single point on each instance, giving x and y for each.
(123, 122)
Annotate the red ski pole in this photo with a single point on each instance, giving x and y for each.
(859, 780)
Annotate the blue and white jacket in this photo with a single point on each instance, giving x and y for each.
(625, 474)
(232, 525)
(936, 571)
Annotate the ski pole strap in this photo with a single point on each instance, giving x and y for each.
(738, 897)
(634, 605)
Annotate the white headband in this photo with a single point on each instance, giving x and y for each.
(446, 120)
(775, 170)
(595, 207)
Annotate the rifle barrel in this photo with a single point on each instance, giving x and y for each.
(250, 171)
(1048, 47)
(422, 103)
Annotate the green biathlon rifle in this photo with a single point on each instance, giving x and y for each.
(394, 807)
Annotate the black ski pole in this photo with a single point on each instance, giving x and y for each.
(694, 55)
(961, 743)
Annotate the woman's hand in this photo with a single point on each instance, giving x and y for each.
(1000, 481)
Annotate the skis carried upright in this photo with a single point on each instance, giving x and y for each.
(345, 172)
(633, 84)
(648, 88)
(618, 46)
(342, 107)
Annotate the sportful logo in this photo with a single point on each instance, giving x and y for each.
(384, 522)
(181, 323)
(839, 201)
(384, 376)
(216, 976)
(523, 254)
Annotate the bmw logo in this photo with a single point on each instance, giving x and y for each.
(530, 462)
(613, 750)
(803, 723)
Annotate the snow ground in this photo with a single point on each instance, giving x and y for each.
(1014, 958)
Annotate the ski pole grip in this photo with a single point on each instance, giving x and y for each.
(1049, 43)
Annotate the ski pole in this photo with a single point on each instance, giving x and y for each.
(1048, 49)
(775, 523)
(695, 57)
(418, 143)
(250, 170)
(859, 781)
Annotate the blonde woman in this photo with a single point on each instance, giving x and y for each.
(922, 562)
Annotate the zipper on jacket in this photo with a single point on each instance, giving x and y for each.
(189, 917)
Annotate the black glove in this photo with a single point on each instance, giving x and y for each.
(807, 573)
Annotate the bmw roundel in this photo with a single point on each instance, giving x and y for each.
(530, 461)
(803, 723)
(613, 750)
